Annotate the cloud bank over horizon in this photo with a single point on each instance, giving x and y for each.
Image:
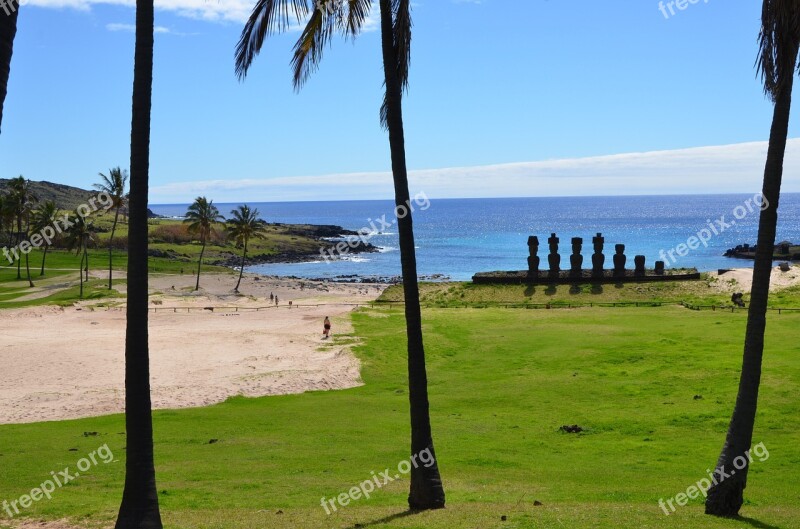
(721, 169)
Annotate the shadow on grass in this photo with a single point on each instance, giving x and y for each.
(387, 519)
(752, 522)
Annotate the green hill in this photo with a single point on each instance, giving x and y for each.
(65, 197)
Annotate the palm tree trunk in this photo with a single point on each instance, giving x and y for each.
(27, 255)
(111, 248)
(8, 30)
(241, 270)
(726, 497)
(86, 267)
(44, 258)
(139, 508)
(28, 270)
(19, 240)
(199, 264)
(80, 272)
(426, 491)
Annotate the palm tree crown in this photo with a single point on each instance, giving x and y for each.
(201, 217)
(114, 185)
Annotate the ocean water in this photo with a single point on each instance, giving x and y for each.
(459, 237)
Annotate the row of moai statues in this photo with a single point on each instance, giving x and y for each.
(576, 259)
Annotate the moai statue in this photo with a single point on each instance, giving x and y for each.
(576, 259)
(554, 259)
(619, 260)
(659, 268)
(533, 259)
(639, 262)
(598, 259)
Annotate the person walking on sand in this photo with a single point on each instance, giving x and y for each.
(326, 328)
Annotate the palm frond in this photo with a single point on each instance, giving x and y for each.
(357, 14)
(778, 41)
(309, 47)
(268, 17)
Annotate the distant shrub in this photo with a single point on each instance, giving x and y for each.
(171, 234)
(179, 234)
(120, 242)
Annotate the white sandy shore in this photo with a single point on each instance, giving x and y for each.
(69, 363)
(741, 279)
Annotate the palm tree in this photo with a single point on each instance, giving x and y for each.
(22, 200)
(113, 185)
(201, 217)
(44, 217)
(779, 42)
(244, 226)
(139, 508)
(348, 17)
(79, 235)
(8, 30)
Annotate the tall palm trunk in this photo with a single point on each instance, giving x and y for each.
(426, 491)
(80, 271)
(28, 270)
(27, 255)
(111, 248)
(199, 264)
(86, 255)
(726, 497)
(44, 258)
(18, 241)
(8, 30)
(139, 508)
(241, 270)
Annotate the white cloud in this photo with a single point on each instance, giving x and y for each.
(208, 10)
(131, 28)
(720, 169)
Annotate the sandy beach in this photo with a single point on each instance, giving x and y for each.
(65, 363)
(741, 279)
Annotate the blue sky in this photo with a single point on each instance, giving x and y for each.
(508, 98)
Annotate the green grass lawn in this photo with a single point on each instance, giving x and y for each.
(653, 387)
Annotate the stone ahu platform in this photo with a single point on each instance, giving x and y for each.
(577, 274)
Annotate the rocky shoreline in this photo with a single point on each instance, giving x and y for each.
(784, 251)
(328, 238)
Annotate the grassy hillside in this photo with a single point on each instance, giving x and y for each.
(66, 197)
(652, 388)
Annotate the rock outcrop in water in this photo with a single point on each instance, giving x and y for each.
(785, 250)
